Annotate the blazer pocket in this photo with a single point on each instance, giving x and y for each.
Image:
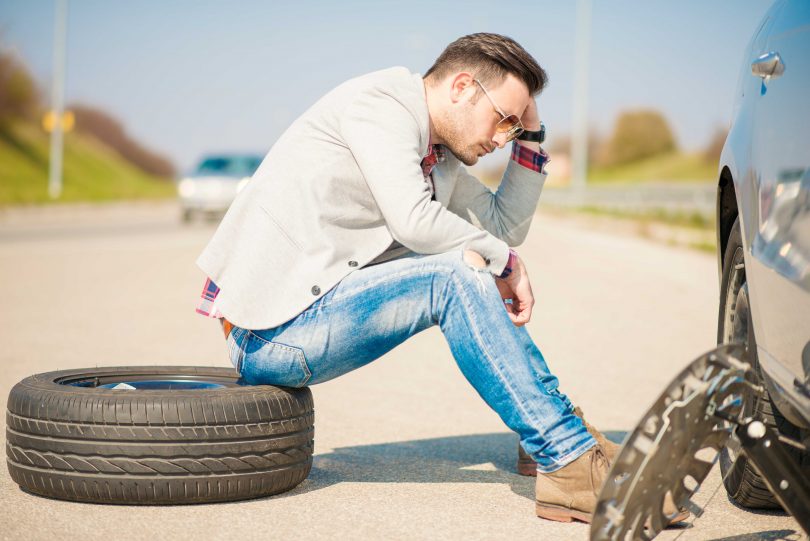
(272, 363)
(281, 228)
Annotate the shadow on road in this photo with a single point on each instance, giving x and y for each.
(768, 535)
(477, 458)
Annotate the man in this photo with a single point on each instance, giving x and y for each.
(362, 228)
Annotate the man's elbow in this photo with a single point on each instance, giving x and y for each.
(515, 236)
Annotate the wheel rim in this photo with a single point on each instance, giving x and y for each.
(737, 329)
(133, 382)
(736, 282)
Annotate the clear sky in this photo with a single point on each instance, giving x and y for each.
(190, 76)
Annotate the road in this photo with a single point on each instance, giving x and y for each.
(405, 449)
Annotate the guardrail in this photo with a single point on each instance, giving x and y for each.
(692, 197)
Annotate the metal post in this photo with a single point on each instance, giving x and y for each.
(579, 137)
(57, 99)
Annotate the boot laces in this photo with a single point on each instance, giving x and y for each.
(599, 464)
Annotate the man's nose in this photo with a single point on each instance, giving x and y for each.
(499, 139)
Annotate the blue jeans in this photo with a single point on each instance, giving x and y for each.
(378, 307)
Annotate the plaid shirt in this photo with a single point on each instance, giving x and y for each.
(536, 161)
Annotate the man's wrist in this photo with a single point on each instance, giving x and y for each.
(531, 145)
(531, 158)
(511, 262)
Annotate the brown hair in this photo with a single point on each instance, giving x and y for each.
(489, 57)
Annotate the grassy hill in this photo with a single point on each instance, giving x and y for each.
(672, 166)
(91, 172)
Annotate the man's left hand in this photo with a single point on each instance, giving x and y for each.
(530, 118)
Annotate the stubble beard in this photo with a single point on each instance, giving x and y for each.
(453, 130)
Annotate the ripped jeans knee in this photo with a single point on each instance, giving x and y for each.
(476, 262)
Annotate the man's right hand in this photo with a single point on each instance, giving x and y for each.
(517, 288)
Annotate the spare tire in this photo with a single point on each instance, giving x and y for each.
(156, 435)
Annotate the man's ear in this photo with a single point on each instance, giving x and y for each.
(460, 85)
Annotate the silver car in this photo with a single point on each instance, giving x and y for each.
(763, 228)
(214, 183)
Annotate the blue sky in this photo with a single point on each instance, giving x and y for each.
(188, 77)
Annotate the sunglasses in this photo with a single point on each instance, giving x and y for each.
(508, 124)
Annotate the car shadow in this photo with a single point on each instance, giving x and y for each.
(766, 535)
(475, 458)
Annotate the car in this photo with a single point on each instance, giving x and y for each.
(214, 183)
(763, 239)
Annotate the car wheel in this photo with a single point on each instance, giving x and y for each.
(156, 435)
(743, 482)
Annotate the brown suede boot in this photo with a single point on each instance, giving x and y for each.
(611, 449)
(527, 466)
(571, 492)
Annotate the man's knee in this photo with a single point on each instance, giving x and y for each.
(474, 259)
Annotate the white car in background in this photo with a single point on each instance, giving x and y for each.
(212, 186)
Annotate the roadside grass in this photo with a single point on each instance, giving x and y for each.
(673, 228)
(673, 166)
(690, 219)
(91, 170)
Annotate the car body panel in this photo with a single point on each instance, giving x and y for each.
(767, 154)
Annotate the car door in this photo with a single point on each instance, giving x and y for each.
(779, 269)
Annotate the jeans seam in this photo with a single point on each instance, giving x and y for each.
(295, 350)
(240, 351)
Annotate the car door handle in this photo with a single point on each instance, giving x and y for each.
(768, 66)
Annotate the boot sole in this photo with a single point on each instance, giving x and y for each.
(561, 514)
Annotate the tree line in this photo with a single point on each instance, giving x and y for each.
(21, 100)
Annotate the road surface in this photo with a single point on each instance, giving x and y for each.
(405, 449)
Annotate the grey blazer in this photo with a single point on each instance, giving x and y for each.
(339, 186)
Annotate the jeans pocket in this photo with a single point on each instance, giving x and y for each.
(271, 363)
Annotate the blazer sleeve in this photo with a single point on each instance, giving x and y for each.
(508, 212)
(384, 138)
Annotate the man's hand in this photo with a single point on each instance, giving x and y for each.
(530, 118)
(517, 289)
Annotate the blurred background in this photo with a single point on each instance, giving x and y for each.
(150, 90)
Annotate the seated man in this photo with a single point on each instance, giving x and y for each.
(362, 228)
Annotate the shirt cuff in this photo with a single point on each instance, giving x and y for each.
(528, 158)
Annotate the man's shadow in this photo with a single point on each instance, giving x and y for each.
(477, 458)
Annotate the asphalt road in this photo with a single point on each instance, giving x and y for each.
(405, 449)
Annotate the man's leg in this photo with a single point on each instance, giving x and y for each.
(376, 308)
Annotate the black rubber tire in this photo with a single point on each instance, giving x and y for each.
(157, 447)
(742, 481)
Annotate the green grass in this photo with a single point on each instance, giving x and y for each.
(91, 172)
(694, 220)
(673, 166)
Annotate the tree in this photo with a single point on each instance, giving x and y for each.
(637, 135)
(109, 131)
(19, 96)
(712, 151)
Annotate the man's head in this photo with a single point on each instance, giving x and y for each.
(489, 65)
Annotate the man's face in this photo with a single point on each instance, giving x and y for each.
(467, 128)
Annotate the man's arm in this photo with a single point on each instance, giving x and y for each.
(508, 212)
(383, 137)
